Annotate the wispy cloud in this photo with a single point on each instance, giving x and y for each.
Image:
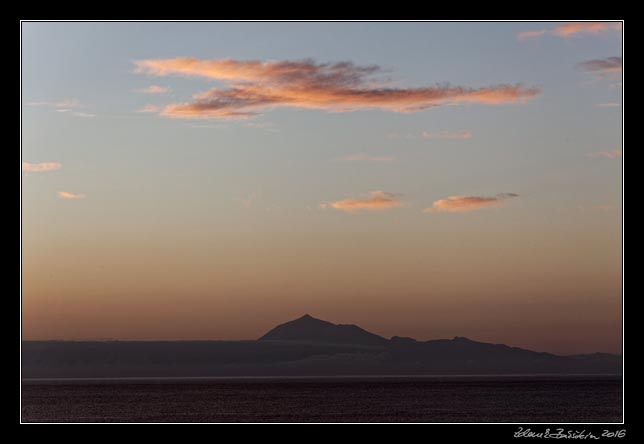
(86, 115)
(571, 29)
(154, 89)
(610, 154)
(68, 195)
(255, 86)
(64, 106)
(149, 109)
(609, 66)
(364, 157)
(460, 134)
(40, 167)
(608, 105)
(66, 103)
(446, 135)
(531, 34)
(373, 201)
(462, 204)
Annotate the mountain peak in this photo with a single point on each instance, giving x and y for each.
(310, 329)
(307, 319)
(462, 338)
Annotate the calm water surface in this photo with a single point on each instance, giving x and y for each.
(357, 399)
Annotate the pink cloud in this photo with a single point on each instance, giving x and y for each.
(462, 204)
(255, 86)
(374, 201)
(566, 30)
(40, 167)
(68, 195)
(611, 154)
(154, 89)
(531, 34)
(570, 29)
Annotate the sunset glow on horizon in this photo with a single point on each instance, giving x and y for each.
(185, 180)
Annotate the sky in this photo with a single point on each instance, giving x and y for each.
(193, 180)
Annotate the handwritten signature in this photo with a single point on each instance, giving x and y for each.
(568, 434)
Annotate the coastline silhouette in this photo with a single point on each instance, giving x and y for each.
(302, 347)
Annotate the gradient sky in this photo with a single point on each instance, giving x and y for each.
(211, 180)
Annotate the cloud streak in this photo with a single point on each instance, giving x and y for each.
(255, 86)
(64, 106)
(611, 154)
(463, 204)
(570, 29)
(85, 115)
(364, 157)
(446, 135)
(40, 167)
(373, 201)
(607, 66)
(566, 30)
(67, 103)
(149, 109)
(68, 195)
(154, 89)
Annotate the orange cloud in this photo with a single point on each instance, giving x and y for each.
(363, 157)
(612, 154)
(154, 89)
(68, 195)
(338, 87)
(376, 200)
(40, 167)
(447, 135)
(462, 204)
(570, 29)
(608, 105)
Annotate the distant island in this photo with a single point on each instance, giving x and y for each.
(303, 347)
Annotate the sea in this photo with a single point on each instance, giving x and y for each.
(357, 399)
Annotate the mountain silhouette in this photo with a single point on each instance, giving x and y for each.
(310, 329)
(303, 347)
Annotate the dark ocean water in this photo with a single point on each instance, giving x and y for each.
(409, 399)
